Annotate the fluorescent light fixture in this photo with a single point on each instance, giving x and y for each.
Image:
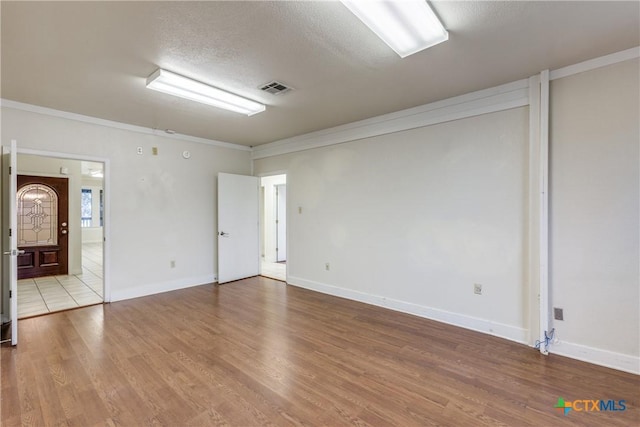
(177, 85)
(407, 26)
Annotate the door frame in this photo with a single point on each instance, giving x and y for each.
(278, 187)
(10, 240)
(106, 244)
(260, 229)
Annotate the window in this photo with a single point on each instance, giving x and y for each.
(38, 215)
(86, 207)
(92, 207)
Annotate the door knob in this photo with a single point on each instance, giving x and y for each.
(223, 234)
(14, 252)
(64, 231)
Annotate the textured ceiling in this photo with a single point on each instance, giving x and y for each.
(92, 58)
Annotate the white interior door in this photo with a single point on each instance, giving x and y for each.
(238, 238)
(281, 222)
(9, 237)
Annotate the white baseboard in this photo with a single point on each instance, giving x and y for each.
(609, 359)
(592, 355)
(509, 332)
(129, 292)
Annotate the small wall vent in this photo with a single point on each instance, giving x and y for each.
(275, 88)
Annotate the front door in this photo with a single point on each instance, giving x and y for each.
(43, 208)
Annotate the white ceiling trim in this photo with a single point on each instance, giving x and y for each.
(592, 64)
(7, 103)
(495, 99)
(503, 97)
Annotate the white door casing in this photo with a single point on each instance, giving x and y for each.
(10, 232)
(281, 224)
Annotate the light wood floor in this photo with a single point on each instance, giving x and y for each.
(259, 352)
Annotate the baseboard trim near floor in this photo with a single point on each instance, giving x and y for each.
(133, 291)
(489, 327)
(609, 359)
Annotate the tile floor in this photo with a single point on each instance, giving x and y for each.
(54, 293)
(274, 270)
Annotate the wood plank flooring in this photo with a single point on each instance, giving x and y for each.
(258, 352)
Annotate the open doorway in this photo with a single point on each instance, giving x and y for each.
(273, 219)
(43, 226)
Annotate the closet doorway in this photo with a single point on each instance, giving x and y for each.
(273, 219)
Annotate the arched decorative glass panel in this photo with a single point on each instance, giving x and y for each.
(37, 215)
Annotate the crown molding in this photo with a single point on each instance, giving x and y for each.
(592, 64)
(494, 99)
(504, 97)
(7, 103)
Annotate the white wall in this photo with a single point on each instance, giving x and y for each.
(92, 234)
(413, 219)
(410, 220)
(47, 166)
(594, 213)
(162, 208)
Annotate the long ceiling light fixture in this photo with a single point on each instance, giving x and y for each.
(177, 85)
(407, 26)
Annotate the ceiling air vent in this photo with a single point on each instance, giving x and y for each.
(275, 88)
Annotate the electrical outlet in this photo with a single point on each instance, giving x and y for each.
(173, 263)
(477, 289)
(327, 266)
(154, 151)
(558, 313)
(139, 150)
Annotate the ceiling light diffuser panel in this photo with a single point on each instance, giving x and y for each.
(407, 26)
(183, 87)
